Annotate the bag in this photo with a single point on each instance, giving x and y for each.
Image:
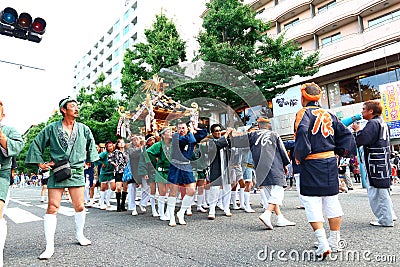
(62, 170)
(342, 169)
(127, 176)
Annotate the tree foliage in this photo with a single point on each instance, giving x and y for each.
(163, 48)
(235, 37)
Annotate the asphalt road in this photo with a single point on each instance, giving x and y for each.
(120, 239)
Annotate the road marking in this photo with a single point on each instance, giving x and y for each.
(26, 204)
(62, 210)
(18, 215)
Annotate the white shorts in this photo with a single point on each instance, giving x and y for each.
(316, 205)
(236, 173)
(274, 194)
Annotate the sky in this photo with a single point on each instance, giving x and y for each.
(29, 95)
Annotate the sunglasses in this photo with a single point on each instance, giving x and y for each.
(217, 131)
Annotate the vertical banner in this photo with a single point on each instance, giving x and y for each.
(390, 97)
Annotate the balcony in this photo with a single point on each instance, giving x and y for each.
(359, 42)
(343, 13)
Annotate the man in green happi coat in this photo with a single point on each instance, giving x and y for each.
(10, 145)
(67, 139)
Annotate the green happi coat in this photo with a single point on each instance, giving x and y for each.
(107, 169)
(160, 153)
(62, 147)
(14, 146)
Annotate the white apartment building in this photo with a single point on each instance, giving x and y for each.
(107, 54)
(359, 48)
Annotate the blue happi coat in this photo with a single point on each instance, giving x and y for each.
(375, 140)
(319, 135)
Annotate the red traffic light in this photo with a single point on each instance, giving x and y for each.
(38, 25)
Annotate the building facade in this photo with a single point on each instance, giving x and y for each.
(359, 48)
(106, 55)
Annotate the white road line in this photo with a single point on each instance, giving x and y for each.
(18, 215)
(26, 204)
(62, 210)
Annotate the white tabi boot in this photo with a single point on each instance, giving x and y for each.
(186, 204)
(80, 218)
(233, 200)
(323, 245)
(50, 224)
(171, 210)
(241, 199)
(153, 206)
(247, 207)
(3, 235)
(161, 205)
(200, 199)
(213, 198)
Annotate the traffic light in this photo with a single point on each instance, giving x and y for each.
(21, 26)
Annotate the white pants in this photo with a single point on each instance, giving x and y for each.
(316, 205)
(274, 194)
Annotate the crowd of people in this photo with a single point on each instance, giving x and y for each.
(185, 163)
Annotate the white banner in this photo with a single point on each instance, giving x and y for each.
(288, 102)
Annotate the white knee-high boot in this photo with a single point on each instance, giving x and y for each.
(101, 201)
(226, 199)
(164, 216)
(50, 224)
(233, 200)
(3, 235)
(108, 196)
(241, 198)
(131, 196)
(171, 210)
(186, 203)
(213, 198)
(153, 206)
(247, 203)
(264, 200)
(80, 218)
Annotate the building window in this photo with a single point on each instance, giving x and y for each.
(115, 82)
(394, 15)
(116, 53)
(291, 24)
(126, 29)
(349, 92)
(331, 39)
(334, 95)
(115, 67)
(127, 13)
(125, 45)
(116, 25)
(117, 38)
(326, 7)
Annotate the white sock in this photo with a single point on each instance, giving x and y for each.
(233, 198)
(247, 200)
(102, 193)
(200, 199)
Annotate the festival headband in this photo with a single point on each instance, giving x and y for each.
(164, 130)
(65, 101)
(307, 96)
(261, 119)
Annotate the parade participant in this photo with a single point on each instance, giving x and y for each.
(218, 155)
(134, 150)
(95, 183)
(376, 143)
(68, 139)
(146, 170)
(247, 181)
(160, 153)
(270, 161)
(89, 177)
(318, 135)
(119, 159)
(199, 164)
(10, 146)
(107, 181)
(180, 170)
(45, 178)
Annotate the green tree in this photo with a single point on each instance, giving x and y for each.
(98, 110)
(163, 48)
(235, 37)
